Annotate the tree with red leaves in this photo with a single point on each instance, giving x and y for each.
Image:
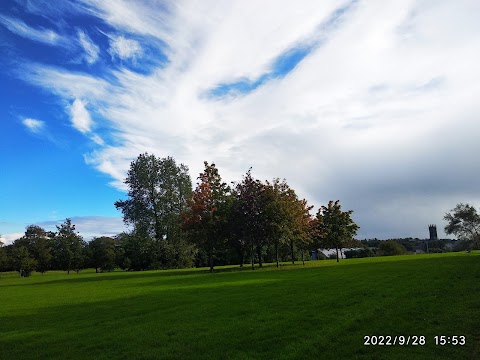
(206, 214)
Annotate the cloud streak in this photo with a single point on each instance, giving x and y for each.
(20, 28)
(91, 49)
(34, 125)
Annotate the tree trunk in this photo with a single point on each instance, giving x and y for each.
(292, 252)
(253, 256)
(259, 252)
(276, 253)
(210, 260)
(303, 260)
(241, 252)
(336, 249)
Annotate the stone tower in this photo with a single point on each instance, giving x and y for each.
(433, 232)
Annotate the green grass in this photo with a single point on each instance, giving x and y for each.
(321, 310)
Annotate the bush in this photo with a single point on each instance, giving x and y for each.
(359, 253)
(390, 247)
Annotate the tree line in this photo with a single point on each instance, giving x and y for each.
(174, 226)
(249, 221)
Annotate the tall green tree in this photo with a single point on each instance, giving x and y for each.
(39, 244)
(304, 227)
(464, 222)
(286, 219)
(102, 252)
(158, 190)
(336, 228)
(278, 225)
(206, 214)
(68, 248)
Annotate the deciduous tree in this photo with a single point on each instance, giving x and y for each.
(158, 190)
(250, 213)
(39, 244)
(23, 262)
(206, 215)
(335, 227)
(464, 222)
(102, 250)
(68, 247)
(390, 248)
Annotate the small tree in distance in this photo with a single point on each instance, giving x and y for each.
(390, 248)
(336, 228)
(23, 262)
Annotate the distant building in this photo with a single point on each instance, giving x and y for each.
(433, 232)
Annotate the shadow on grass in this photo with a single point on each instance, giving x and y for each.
(192, 272)
(83, 277)
(257, 320)
(181, 323)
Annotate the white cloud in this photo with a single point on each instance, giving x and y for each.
(373, 116)
(34, 125)
(8, 239)
(124, 48)
(91, 49)
(87, 226)
(91, 226)
(18, 27)
(80, 117)
(64, 83)
(97, 139)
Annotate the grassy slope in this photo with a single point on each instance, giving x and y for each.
(321, 310)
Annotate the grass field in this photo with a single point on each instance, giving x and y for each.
(320, 310)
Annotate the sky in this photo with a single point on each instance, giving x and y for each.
(373, 103)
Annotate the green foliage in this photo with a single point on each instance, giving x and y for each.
(464, 222)
(140, 251)
(23, 262)
(462, 245)
(102, 253)
(249, 213)
(358, 253)
(336, 228)
(68, 248)
(390, 247)
(3, 259)
(43, 254)
(39, 244)
(158, 191)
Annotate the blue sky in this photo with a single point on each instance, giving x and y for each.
(372, 103)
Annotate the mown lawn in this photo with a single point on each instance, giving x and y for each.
(321, 310)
